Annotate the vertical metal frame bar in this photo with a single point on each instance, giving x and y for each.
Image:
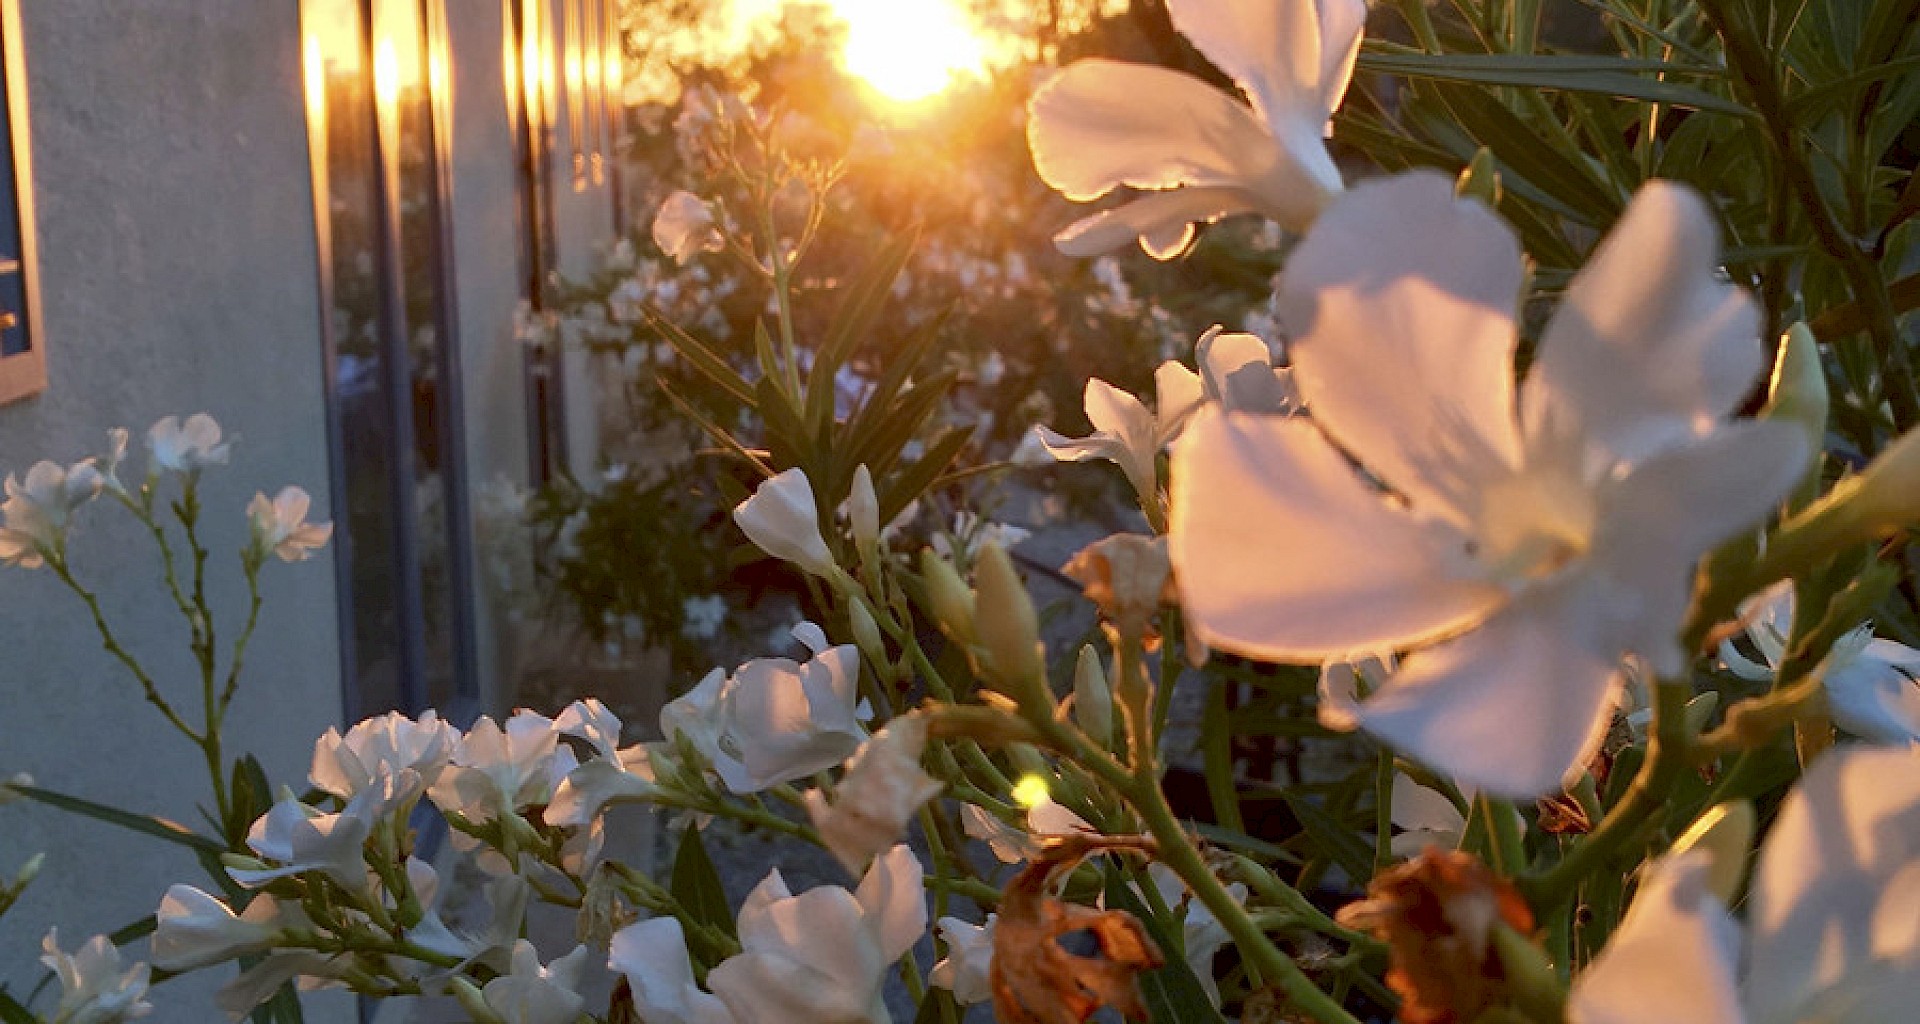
(24, 373)
(314, 74)
(397, 384)
(613, 99)
(436, 53)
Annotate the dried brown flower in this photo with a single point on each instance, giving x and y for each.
(1437, 913)
(1036, 980)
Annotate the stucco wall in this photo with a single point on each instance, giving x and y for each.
(177, 270)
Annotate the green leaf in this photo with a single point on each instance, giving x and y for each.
(1172, 994)
(1608, 76)
(879, 445)
(11, 1012)
(703, 358)
(1525, 151)
(134, 930)
(937, 1008)
(859, 307)
(918, 477)
(159, 828)
(252, 797)
(1332, 836)
(696, 884)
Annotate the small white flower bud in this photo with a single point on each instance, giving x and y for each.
(1008, 627)
(950, 597)
(1092, 698)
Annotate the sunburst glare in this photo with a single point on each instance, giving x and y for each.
(908, 50)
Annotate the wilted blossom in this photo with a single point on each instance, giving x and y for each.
(93, 987)
(612, 773)
(684, 227)
(782, 519)
(1870, 683)
(196, 929)
(1832, 929)
(1201, 153)
(823, 955)
(280, 526)
(1532, 540)
(38, 511)
(532, 994)
(969, 959)
(883, 788)
(186, 448)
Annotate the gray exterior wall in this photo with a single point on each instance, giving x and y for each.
(177, 265)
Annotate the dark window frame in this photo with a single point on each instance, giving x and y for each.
(24, 373)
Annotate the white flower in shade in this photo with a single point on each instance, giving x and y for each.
(94, 989)
(1833, 924)
(1203, 937)
(782, 519)
(611, 774)
(381, 747)
(1872, 685)
(696, 716)
(110, 462)
(280, 526)
(38, 511)
(882, 790)
(823, 955)
(684, 227)
(1531, 541)
(1200, 153)
(1425, 817)
(301, 838)
(532, 994)
(197, 930)
(652, 954)
(258, 983)
(966, 970)
(783, 720)
(186, 447)
(1124, 432)
(496, 771)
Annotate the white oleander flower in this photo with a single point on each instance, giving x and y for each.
(1832, 929)
(300, 838)
(967, 969)
(782, 519)
(94, 989)
(532, 994)
(496, 771)
(1124, 432)
(188, 447)
(883, 788)
(1528, 542)
(197, 930)
(279, 526)
(612, 774)
(39, 510)
(784, 720)
(382, 747)
(652, 954)
(1870, 683)
(1199, 153)
(684, 227)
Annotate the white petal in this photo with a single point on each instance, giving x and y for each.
(1416, 807)
(1293, 58)
(1162, 222)
(1401, 305)
(1844, 838)
(1650, 345)
(1238, 373)
(1511, 707)
(1281, 551)
(1658, 520)
(1673, 958)
(1099, 124)
(1876, 699)
(893, 901)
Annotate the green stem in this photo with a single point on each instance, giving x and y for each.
(112, 646)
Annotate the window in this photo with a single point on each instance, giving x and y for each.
(23, 364)
(377, 90)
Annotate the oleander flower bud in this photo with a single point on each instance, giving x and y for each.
(1008, 627)
(952, 600)
(1092, 697)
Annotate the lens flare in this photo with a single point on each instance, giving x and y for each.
(1030, 791)
(908, 50)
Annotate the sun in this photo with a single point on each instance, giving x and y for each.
(908, 50)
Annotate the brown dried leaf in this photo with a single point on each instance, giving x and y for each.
(1035, 979)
